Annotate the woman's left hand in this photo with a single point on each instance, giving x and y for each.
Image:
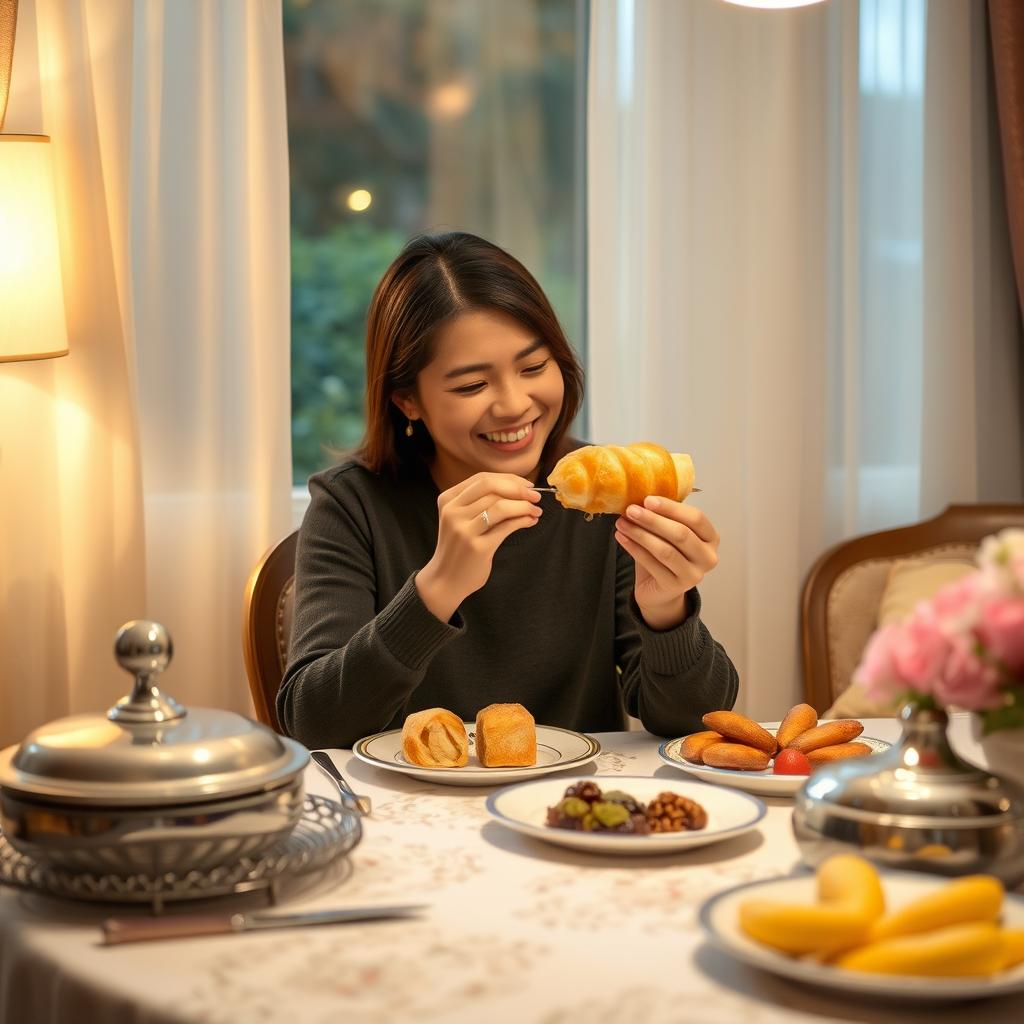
(674, 546)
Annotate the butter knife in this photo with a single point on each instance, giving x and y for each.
(117, 930)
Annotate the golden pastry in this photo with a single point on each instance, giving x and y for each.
(506, 736)
(608, 478)
(837, 752)
(797, 721)
(735, 755)
(827, 734)
(692, 746)
(740, 729)
(435, 738)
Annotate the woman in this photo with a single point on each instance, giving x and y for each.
(429, 571)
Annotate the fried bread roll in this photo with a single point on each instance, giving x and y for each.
(692, 747)
(608, 478)
(435, 738)
(506, 736)
(842, 730)
(797, 721)
(740, 729)
(735, 755)
(837, 752)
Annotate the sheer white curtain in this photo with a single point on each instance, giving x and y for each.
(144, 474)
(799, 273)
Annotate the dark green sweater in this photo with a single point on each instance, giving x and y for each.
(548, 629)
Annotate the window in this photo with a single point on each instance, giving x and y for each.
(422, 115)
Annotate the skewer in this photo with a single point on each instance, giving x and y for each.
(554, 490)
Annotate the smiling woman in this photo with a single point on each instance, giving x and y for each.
(434, 533)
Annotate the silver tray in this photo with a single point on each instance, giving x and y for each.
(326, 832)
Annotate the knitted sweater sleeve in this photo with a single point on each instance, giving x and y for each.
(670, 678)
(352, 666)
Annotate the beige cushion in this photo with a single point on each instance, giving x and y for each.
(911, 582)
(876, 593)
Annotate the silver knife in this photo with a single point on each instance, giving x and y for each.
(117, 930)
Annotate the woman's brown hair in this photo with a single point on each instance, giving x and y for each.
(433, 279)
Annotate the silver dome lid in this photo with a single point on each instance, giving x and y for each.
(147, 749)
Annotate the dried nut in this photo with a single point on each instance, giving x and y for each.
(670, 812)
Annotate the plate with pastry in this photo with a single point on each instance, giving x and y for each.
(630, 815)
(767, 758)
(891, 934)
(502, 745)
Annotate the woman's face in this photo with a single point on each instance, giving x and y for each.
(489, 398)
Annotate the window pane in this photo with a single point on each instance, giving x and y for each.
(414, 115)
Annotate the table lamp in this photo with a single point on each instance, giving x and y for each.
(32, 322)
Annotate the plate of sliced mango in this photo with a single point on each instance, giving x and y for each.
(896, 935)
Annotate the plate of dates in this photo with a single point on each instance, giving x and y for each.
(619, 814)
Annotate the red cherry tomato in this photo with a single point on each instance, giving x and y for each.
(791, 762)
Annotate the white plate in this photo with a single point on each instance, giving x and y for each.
(719, 918)
(764, 783)
(524, 808)
(557, 749)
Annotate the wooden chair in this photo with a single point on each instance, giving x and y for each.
(267, 625)
(843, 589)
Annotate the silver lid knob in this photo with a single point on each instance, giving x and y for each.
(144, 648)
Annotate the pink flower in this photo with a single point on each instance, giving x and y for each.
(966, 680)
(919, 652)
(1001, 630)
(957, 605)
(877, 671)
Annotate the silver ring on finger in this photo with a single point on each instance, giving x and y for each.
(486, 518)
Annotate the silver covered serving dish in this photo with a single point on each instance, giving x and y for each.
(916, 806)
(150, 787)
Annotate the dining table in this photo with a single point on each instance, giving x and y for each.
(514, 929)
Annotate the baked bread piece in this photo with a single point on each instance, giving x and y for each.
(506, 736)
(735, 755)
(435, 738)
(739, 729)
(842, 730)
(692, 747)
(797, 721)
(837, 752)
(608, 478)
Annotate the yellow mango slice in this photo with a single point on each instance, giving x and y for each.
(850, 900)
(796, 929)
(961, 950)
(851, 881)
(970, 899)
(1013, 947)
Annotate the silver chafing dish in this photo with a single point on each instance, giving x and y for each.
(150, 787)
(915, 807)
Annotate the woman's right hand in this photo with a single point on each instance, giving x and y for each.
(467, 538)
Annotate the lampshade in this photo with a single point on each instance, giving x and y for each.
(32, 323)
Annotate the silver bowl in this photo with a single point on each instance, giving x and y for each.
(150, 787)
(915, 806)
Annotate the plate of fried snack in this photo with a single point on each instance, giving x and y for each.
(769, 758)
(632, 815)
(503, 744)
(898, 935)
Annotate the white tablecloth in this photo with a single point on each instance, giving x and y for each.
(518, 931)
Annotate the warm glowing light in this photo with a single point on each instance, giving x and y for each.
(359, 200)
(452, 99)
(32, 324)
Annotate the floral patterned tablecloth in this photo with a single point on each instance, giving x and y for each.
(517, 930)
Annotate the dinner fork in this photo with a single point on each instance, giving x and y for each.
(348, 795)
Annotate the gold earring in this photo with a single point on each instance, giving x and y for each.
(408, 428)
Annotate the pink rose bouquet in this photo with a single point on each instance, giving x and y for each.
(964, 647)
